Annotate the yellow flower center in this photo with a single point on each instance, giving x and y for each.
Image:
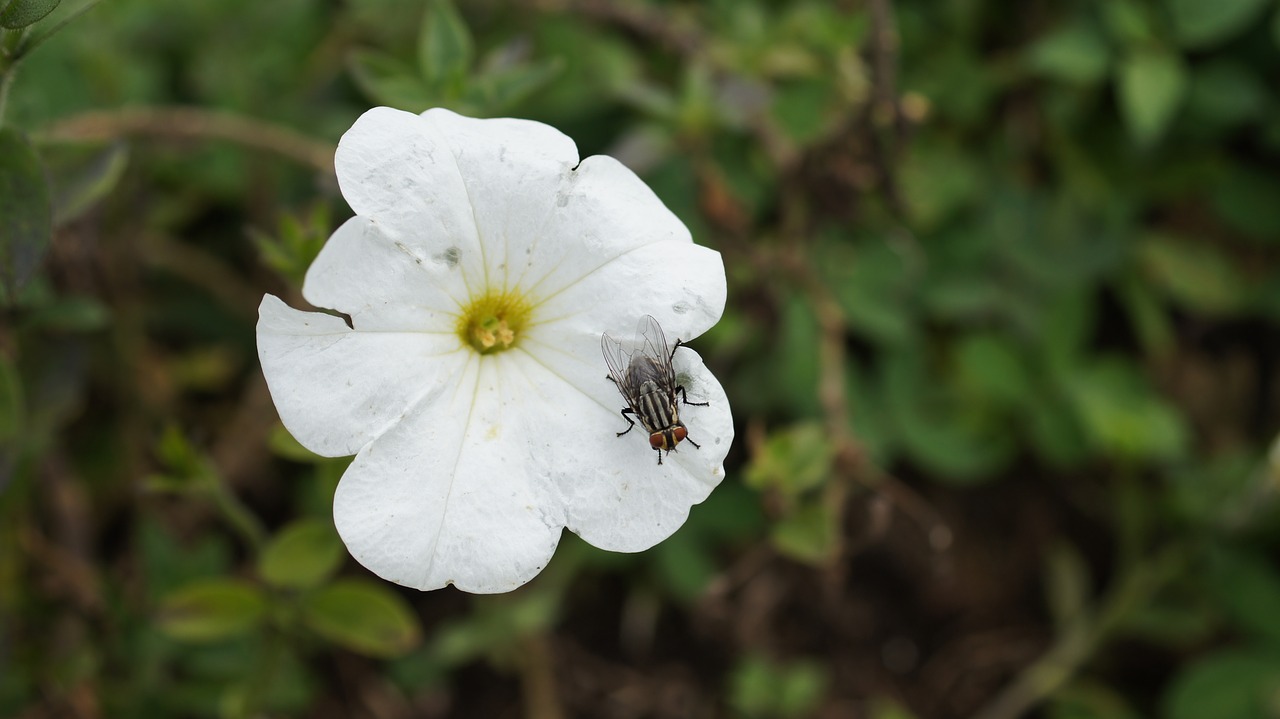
(492, 322)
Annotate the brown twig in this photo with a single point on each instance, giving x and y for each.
(538, 679)
(192, 123)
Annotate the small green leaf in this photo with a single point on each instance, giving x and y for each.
(793, 461)
(764, 688)
(81, 176)
(21, 13)
(938, 179)
(1151, 87)
(444, 44)
(1199, 23)
(994, 367)
(808, 534)
(1123, 416)
(1195, 274)
(301, 556)
(26, 211)
(1075, 53)
(364, 617)
(211, 610)
(1230, 684)
(1245, 199)
(500, 89)
(387, 80)
(1249, 588)
(1226, 93)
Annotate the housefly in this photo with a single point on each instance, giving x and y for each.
(647, 381)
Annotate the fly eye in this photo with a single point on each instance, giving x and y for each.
(657, 441)
(680, 433)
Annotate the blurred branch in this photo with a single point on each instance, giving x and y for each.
(851, 460)
(1081, 638)
(884, 111)
(192, 123)
(537, 678)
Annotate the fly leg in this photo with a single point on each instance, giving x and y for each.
(626, 411)
(685, 396)
(631, 423)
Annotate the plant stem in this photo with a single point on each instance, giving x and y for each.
(1082, 638)
(234, 511)
(192, 123)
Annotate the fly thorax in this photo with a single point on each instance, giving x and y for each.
(655, 407)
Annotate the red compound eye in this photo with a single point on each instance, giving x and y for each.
(680, 433)
(657, 441)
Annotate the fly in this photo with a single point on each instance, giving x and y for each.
(647, 381)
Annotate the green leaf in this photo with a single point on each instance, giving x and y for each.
(364, 617)
(1245, 198)
(1075, 53)
(444, 44)
(1226, 93)
(804, 108)
(389, 81)
(501, 89)
(1084, 699)
(82, 175)
(1195, 274)
(1230, 684)
(1121, 414)
(211, 610)
(26, 211)
(498, 624)
(1151, 86)
(1249, 588)
(1199, 23)
(21, 13)
(763, 688)
(938, 179)
(940, 429)
(872, 282)
(994, 367)
(302, 556)
(793, 461)
(807, 534)
(1127, 21)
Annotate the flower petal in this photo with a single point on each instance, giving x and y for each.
(451, 494)
(513, 171)
(337, 389)
(681, 284)
(383, 283)
(451, 186)
(615, 494)
(602, 212)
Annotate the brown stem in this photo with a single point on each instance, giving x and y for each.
(192, 123)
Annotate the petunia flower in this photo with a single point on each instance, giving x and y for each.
(479, 273)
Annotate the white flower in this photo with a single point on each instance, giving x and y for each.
(482, 266)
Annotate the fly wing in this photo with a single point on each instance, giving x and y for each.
(651, 341)
(618, 359)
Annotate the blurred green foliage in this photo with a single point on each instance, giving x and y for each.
(1004, 294)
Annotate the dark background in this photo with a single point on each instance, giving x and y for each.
(1001, 342)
